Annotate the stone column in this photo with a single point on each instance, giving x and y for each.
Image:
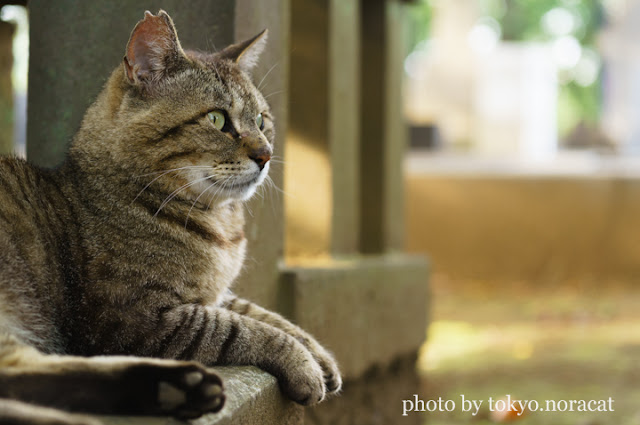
(265, 223)
(363, 299)
(382, 128)
(76, 44)
(322, 161)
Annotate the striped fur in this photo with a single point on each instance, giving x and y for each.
(131, 245)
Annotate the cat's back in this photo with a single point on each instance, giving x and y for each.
(32, 219)
(30, 200)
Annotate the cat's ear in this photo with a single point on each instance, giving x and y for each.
(246, 53)
(153, 50)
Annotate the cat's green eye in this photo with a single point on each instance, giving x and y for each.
(217, 119)
(260, 121)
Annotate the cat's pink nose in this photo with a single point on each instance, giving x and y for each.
(260, 157)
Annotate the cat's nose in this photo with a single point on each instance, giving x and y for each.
(260, 157)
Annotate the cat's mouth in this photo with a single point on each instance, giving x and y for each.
(243, 187)
(244, 184)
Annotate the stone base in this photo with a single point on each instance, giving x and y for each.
(368, 310)
(375, 398)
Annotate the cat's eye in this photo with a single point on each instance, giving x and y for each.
(260, 122)
(217, 119)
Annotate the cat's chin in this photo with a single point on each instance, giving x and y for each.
(245, 190)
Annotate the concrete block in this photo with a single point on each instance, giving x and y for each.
(368, 311)
(373, 399)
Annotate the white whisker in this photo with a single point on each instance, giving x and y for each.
(213, 184)
(273, 185)
(178, 190)
(163, 173)
(267, 74)
(173, 169)
(220, 189)
(271, 94)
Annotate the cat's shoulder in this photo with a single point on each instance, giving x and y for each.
(20, 178)
(15, 168)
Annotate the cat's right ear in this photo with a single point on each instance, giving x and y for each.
(153, 51)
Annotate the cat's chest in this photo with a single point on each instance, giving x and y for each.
(223, 264)
(222, 256)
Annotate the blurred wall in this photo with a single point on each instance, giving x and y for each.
(537, 228)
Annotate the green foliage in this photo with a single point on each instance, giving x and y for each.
(522, 20)
(420, 20)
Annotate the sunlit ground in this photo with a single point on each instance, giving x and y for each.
(570, 341)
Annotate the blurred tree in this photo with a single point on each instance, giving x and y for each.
(549, 21)
(564, 24)
(419, 21)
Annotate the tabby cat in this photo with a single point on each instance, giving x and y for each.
(130, 246)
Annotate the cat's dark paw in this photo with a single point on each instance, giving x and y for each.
(185, 390)
(303, 380)
(189, 390)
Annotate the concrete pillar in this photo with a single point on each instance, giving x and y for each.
(74, 46)
(322, 212)
(370, 310)
(265, 224)
(382, 127)
(344, 131)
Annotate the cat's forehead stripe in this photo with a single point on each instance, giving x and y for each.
(237, 106)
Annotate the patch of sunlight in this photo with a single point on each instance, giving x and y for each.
(522, 350)
(454, 344)
(449, 339)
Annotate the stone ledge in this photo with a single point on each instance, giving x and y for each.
(368, 310)
(253, 398)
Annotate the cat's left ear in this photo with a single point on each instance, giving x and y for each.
(153, 50)
(246, 53)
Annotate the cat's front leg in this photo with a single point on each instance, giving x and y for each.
(218, 336)
(333, 380)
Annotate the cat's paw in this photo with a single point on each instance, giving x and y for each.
(303, 379)
(185, 390)
(332, 377)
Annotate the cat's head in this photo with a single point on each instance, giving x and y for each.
(192, 123)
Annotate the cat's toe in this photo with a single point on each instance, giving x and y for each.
(190, 391)
(332, 378)
(305, 384)
(333, 382)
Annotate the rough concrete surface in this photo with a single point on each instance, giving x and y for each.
(374, 399)
(368, 310)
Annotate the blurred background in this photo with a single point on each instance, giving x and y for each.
(519, 179)
(522, 187)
